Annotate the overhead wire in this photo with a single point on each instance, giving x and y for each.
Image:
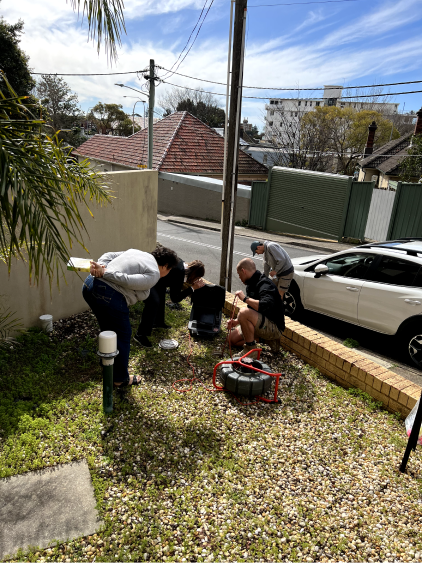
(88, 74)
(293, 89)
(273, 98)
(193, 42)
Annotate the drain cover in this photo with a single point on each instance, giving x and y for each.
(168, 344)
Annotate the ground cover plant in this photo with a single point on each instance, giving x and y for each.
(198, 476)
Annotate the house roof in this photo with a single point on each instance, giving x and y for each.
(387, 158)
(182, 144)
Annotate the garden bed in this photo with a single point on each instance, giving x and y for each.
(199, 476)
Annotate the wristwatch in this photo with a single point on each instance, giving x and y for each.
(244, 299)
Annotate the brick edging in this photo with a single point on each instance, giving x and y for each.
(344, 365)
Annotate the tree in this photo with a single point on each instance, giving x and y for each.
(327, 139)
(202, 105)
(41, 188)
(411, 166)
(62, 106)
(13, 61)
(111, 117)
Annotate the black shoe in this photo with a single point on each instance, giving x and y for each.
(162, 325)
(142, 341)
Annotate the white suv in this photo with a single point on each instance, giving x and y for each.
(376, 286)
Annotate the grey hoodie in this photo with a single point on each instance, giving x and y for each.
(131, 272)
(276, 258)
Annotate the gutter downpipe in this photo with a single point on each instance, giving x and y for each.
(226, 131)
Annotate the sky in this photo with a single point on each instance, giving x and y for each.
(301, 45)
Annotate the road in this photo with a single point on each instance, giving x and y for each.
(195, 243)
(192, 243)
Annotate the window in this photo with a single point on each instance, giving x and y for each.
(306, 103)
(299, 103)
(270, 123)
(271, 102)
(310, 103)
(354, 265)
(317, 103)
(276, 102)
(396, 271)
(281, 124)
(272, 112)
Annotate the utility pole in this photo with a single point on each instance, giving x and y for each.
(231, 169)
(151, 77)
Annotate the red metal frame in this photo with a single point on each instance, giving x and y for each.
(253, 368)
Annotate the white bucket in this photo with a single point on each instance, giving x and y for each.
(46, 323)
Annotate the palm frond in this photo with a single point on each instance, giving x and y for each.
(8, 323)
(105, 21)
(41, 191)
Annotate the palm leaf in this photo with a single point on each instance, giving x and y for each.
(41, 191)
(105, 21)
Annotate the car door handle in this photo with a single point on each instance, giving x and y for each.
(352, 288)
(412, 301)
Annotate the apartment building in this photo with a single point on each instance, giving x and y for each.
(283, 114)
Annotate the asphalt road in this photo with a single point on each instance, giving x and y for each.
(195, 243)
(192, 243)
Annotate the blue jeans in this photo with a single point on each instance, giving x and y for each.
(112, 312)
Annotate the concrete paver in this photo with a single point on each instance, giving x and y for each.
(40, 507)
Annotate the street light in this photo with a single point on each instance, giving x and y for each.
(133, 112)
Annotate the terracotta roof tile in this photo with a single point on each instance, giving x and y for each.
(182, 144)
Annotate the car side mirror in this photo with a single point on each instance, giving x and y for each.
(320, 270)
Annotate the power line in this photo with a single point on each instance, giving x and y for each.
(297, 3)
(270, 97)
(190, 36)
(293, 89)
(89, 74)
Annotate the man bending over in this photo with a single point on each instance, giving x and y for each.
(264, 316)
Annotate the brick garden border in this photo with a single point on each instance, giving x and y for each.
(345, 366)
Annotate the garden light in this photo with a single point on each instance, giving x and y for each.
(107, 350)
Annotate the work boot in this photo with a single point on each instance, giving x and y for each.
(274, 345)
(142, 341)
(245, 350)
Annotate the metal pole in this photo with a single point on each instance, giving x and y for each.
(235, 160)
(232, 145)
(151, 111)
(226, 133)
(133, 118)
(413, 438)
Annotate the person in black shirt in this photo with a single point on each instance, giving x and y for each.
(264, 315)
(154, 309)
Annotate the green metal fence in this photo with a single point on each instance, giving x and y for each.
(406, 216)
(259, 204)
(358, 209)
(308, 203)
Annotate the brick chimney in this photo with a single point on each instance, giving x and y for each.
(418, 126)
(369, 149)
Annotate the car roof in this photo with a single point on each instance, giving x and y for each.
(411, 246)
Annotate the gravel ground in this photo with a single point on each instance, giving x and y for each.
(200, 476)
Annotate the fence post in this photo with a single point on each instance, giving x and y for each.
(394, 211)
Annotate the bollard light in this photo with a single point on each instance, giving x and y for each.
(107, 350)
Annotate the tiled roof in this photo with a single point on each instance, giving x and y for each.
(182, 143)
(387, 157)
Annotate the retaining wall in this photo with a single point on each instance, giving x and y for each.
(344, 365)
(128, 221)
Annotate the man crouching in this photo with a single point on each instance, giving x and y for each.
(264, 316)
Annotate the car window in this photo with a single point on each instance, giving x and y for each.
(396, 271)
(353, 265)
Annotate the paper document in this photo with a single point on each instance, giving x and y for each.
(79, 264)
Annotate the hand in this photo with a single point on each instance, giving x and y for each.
(197, 284)
(97, 270)
(240, 295)
(273, 273)
(232, 323)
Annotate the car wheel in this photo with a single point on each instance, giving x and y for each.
(412, 344)
(292, 303)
